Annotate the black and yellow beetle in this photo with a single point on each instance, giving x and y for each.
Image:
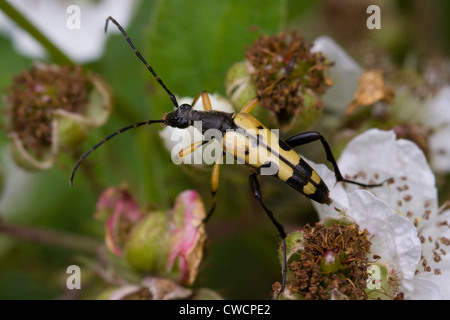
(243, 134)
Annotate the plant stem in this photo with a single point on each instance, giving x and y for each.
(51, 237)
(56, 55)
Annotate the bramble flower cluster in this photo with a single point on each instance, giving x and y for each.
(406, 231)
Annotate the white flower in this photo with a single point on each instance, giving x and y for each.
(176, 139)
(344, 73)
(394, 237)
(439, 120)
(410, 232)
(52, 18)
(433, 112)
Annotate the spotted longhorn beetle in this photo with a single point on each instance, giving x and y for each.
(292, 169)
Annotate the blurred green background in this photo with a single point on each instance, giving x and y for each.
(191, 45)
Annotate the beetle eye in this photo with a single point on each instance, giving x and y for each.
(185, 107)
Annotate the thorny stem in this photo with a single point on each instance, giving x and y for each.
(57, 55)
(51, 237)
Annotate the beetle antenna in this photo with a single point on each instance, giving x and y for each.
(84, 156)
(171, 95)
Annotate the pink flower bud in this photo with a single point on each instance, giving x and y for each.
(187, 236)
(118, 207)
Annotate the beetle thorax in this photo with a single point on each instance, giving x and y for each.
(184, 116)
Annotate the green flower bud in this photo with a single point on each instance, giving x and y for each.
(330, 262)
(311, 112)
(146, 248)
(238, 84)
(72, 130)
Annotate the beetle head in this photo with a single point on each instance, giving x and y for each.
(179, 118)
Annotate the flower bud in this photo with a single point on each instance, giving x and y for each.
(187, 237)
(72, 129)
(117, 207)
(164, 243)
(239, 86)
(146, 247)
(330, 262)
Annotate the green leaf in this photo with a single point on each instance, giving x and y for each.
(193, 43)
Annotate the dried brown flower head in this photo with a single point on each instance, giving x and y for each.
(36, 93)
(50, 106)
(332, 263)
(269, 56)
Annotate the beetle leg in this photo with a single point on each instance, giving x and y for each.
(311, 136)
(256, 189)
(206, 102)
(214, 187)
(191, 148)
(249, 106)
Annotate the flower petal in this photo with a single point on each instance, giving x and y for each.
(424, 289)
(440, 150)
(376, 155)
(337, 192)
(344, 74)
(188, 235)
(119, 208)
(394, 237)
(439, 111)
(435, 262)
